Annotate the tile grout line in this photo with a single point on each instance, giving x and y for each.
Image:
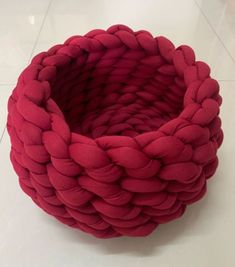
(40, 30)
(212, 28)
(33, 49)
(3, 132)
(2, 84)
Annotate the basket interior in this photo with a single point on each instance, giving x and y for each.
(118, 92)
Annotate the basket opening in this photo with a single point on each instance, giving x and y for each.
(125, 94)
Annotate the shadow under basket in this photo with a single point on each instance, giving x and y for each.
(116, 131)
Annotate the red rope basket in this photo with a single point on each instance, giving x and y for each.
(115, 132)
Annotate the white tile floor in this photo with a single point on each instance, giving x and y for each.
(204, 236)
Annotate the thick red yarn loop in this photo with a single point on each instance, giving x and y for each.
(116, 131)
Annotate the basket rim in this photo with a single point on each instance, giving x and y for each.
(193, 73)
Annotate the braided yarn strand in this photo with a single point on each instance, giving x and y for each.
(116, 131)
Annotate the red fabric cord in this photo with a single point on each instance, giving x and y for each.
(115, 132)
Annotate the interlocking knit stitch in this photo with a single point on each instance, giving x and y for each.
(116, 131)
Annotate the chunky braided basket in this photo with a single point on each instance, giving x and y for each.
(115, 132)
